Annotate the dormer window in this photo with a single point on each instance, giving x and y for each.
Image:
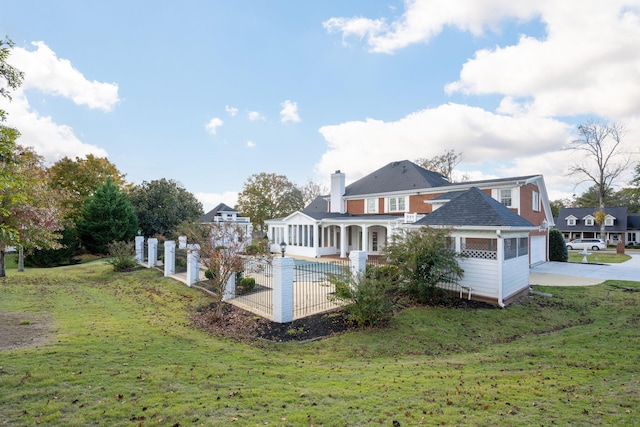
(609, 220)
(571, 220)
(589, 221)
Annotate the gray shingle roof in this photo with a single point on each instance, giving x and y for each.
(396, 176)
(208, 217)
(619, 212)
(474, 208)
(633, 222)
(319, 204)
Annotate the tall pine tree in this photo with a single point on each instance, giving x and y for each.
(107, 217)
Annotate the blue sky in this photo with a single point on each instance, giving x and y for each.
(210, 92)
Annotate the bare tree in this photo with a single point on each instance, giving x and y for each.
(444, 164)
(605, 160)
(221, 249)
(312, 190)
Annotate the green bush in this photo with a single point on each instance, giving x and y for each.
(209, 274)
(557, 246)
(247, 284)
(122, 255)
(425, 259)
(66, 255)
(368, 299)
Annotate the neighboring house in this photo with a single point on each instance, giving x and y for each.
(225, 216)
(580, 223)
(365, 214)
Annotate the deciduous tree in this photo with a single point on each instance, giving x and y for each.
(267, 196)
(444, 164)
(604, 159)
(311, 190)
(161, 205)
(78, 179)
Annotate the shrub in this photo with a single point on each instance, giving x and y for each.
(425, 260)
(368, 299)
(209, 274)
(247, 284)
(122, 255)
(66, 255)
(557, 246)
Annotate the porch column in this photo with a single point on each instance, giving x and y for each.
(317, 231)
(343, 241)
(365, 239)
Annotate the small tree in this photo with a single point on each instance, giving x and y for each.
(108, 216)
(221, 247)
(425, 259)
(557, 246)
(444, 164)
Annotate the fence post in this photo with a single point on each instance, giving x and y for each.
(169, 257)
(282, 289)
(358, 264)
(153, 251)
(230, 289)
(193, 264)
(140, 249)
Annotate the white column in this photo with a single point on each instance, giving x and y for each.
(343, 241)
(193, 264)
(230, 289)
(365, 239)
(140, 249)
(282, 289)
(317, 231)
(169, 257)
(152, 258)
(358, 263)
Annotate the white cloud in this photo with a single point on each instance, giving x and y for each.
(424, 19)
(213, 125)
(251, 144)
(45, 72)
(254, 116)
(211, 200)
(231, 110)
(480, 135)
(51, 140)
(289, 112)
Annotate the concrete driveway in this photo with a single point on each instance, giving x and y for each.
(576, 274)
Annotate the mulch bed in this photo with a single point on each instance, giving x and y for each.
(242, 325)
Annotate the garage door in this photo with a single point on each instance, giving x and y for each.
(538, 249)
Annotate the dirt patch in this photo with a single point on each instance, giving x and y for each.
(23, 329)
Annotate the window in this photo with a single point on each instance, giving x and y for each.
(608, 221)
(588, 221)
(396, 204)
(535, 202)
(505, 197)
(372, 206)
(571, 221)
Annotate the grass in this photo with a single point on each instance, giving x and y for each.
(599, 257)
(122, 353)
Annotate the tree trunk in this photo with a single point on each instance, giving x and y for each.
(20, 259)
(2, 271)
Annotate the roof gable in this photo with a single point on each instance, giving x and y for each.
(394, 177)
(208, 217)
(475, 208)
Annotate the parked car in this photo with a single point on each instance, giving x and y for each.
(593, 244)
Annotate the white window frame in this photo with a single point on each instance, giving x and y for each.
(503, 197)
(608, 221)
(589, 221)
(371, 205)
(535, 202)
(393, 204)
(571, 221)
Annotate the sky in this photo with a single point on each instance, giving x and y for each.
(210, 92)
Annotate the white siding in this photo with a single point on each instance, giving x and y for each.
(515, 275)
(538, 249)
(481, 275)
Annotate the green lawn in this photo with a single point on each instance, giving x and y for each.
(599, 257)
(122, 353)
